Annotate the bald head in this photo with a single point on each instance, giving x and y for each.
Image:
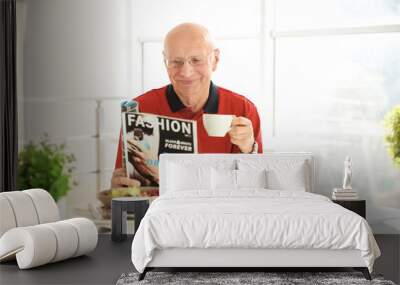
(186, 35)
(191, 46)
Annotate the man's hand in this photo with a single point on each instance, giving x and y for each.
(119, 179)
(241, 134)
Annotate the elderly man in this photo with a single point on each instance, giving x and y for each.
(190, 58)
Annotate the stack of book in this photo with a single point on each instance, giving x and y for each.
(344, 194)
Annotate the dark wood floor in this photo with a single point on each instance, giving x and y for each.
(110, 260)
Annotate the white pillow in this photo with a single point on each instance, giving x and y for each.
(287, 176)
(251, 178)
(223, 179)
(185, 177)
(282, 174)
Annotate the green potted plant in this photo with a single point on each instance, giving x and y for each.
(392, 137)
(45, 165)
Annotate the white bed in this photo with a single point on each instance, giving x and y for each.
(220, 211)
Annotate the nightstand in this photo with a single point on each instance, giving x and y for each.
(357, 206)
(120, 207)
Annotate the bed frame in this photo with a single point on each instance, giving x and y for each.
(242, 259)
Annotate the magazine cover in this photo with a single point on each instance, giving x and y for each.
(146, 136)
(128, 106)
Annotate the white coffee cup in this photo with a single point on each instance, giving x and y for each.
(217, 125)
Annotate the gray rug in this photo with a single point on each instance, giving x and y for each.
(269, 278)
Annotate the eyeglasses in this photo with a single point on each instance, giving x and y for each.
(194, 61)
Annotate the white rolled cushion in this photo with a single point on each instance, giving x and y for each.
(184, 177)
(223, 179)
(45, 205)
(87, 234)
(34, 245)
(40, 244)
(23, 207)
(251, 178)
(67, 240)
(7, 218)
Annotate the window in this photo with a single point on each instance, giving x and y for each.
(336, 73)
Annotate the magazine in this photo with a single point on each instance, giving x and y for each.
(146, 136)
(128, 106)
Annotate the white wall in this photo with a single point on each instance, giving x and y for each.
(76, 52)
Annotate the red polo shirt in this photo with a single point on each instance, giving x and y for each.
(165, 102)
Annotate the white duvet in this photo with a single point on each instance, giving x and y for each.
(251, 218)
